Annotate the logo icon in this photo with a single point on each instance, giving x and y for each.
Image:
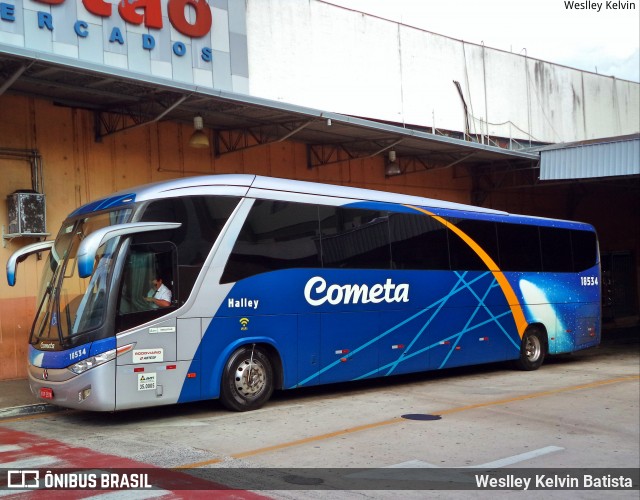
(45, 374)
(23, 479)
(243, 323)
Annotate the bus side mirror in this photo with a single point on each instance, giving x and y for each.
(20, 255)
(89, 246)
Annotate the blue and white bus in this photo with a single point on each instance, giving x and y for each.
(279, 284)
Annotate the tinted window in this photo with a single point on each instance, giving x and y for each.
(555, 245)
(354, 238)
(483, 233)
(202, 219)
(145, 263)
(276, 235)
(519, 247)
(418, 242)
(585, 249)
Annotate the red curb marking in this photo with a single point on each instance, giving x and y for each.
(72, 457)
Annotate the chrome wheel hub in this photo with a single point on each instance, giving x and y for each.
(250, 378)
(533, 348)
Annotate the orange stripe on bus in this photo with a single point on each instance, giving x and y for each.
(507, 289)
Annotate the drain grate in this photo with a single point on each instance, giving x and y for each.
(421, 416)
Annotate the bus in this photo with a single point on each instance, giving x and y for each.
(278, 284)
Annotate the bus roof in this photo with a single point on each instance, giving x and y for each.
(257, 185)
(204, 184)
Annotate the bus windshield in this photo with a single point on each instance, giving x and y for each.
(68, 304)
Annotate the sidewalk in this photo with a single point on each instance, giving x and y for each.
(16, 400)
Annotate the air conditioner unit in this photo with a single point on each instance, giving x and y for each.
(27, 215)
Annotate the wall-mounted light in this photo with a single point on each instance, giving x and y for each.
(393, 167)
(198, 139)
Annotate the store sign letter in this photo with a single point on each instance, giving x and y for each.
(149, 13)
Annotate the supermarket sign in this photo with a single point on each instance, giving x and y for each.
(145, 36)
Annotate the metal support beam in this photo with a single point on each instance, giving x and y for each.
(229, 141)
(16, 74)
(329, 154)
(385, 148)
(114, 123)
(414, 164)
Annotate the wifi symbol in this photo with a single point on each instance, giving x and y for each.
(244, 322)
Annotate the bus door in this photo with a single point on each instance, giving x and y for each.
(147, 372)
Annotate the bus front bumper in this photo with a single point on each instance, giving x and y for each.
(92, 390)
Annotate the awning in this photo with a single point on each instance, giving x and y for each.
(610, 157)
(239, 121)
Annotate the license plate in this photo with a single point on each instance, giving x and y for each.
(46, 393)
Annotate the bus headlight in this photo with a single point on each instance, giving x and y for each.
(99, 359)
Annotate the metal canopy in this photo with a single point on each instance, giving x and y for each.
(608, 157)
(121, 102)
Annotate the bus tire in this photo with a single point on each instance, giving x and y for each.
(247, 381)
(532, 350)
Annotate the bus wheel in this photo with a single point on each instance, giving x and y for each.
(532, 351)
(247, 382)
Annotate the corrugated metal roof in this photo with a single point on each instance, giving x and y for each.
(609, 157)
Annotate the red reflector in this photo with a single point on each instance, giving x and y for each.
(458, 348)
(191, 375)
(46, 393)
(138, 370)
(343, 360)
(171, 367)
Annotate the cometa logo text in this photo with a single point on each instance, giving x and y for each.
(316, 292)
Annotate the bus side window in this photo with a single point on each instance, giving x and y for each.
(355, 238)
(555, 244)
(418, 242)
(585, 250)
(483, 233)
(202, 218)
(519, 247)
(276, 235)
